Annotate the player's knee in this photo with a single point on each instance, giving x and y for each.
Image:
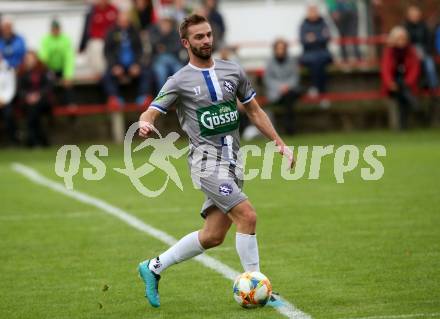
(210, 240)
(250, 218)
(215, 240)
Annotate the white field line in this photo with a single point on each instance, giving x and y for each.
(406, 316)
(41, 216)
(288, 310)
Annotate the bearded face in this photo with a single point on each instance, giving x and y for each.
(200, 40)
(203, 52)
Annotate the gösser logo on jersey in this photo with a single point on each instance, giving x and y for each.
(225, 189)
(217, 119)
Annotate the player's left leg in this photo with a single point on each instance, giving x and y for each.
(245, 218)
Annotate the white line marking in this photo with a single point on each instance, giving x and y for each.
(20, 217)
(288, 310)
(415, 315)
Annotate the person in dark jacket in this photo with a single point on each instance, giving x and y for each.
(142, 14)
(12, 45)
(281, 80)
(400, 72)
(123, 52)
(420, 36)
(165, 41)
(35, 92)
(315, 36)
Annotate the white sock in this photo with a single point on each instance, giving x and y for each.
(186, 248)
(247, 249)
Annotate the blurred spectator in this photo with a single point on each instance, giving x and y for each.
(210, 11)
(35, 91)
(7, 92)
(180, 10)
(123, 52)
(57, 53)
(142, 14)
(400, 73)
(420, 37)
(345, 16)
(315, 36)
(282, 82)
(100, 18)
(165, 41)
(12, 46)
(437, 39)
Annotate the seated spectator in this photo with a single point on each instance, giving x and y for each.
(99, 20)
(12, 46)
(282, 82)
(315, 35)
(123, 52)
(215, 18)
(35, 91)
(166, 45)
(345, 15)
(57, 53)
(400, 73)
(7, 92)
(420, 37)
(142, 14)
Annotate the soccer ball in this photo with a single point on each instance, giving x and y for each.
(252, 289)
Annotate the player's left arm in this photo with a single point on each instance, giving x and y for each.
(260, 119)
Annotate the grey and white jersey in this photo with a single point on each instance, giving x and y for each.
(205, 100)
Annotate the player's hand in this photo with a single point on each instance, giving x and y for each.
(145, 129)
(286, 152)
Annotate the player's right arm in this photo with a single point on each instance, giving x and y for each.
(160, 105)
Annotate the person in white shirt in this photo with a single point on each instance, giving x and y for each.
(8, 89)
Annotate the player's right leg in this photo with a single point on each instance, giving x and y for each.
(212, 234)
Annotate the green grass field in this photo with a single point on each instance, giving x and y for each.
(358, 249)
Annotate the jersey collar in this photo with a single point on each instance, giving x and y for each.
(202, 69)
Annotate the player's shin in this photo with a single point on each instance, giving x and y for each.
(186, 248)
(247, 249)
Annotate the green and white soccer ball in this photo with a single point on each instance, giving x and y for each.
(252, 289)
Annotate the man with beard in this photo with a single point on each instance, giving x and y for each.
(205, 94)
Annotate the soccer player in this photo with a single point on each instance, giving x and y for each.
(205, 93)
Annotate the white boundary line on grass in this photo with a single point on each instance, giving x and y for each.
(288, 310)
(414, 315)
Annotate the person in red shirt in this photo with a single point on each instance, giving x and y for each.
(400, 73)
(99, 20)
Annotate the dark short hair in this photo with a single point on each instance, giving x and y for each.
(280, 41)
(190, 20)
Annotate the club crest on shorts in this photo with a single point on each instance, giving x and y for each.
(229, 86)
(225, 189)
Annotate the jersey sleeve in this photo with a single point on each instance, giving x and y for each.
(166, 97)
(245, 91)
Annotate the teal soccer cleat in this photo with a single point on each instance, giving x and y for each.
(151, 281)
(275, 301)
